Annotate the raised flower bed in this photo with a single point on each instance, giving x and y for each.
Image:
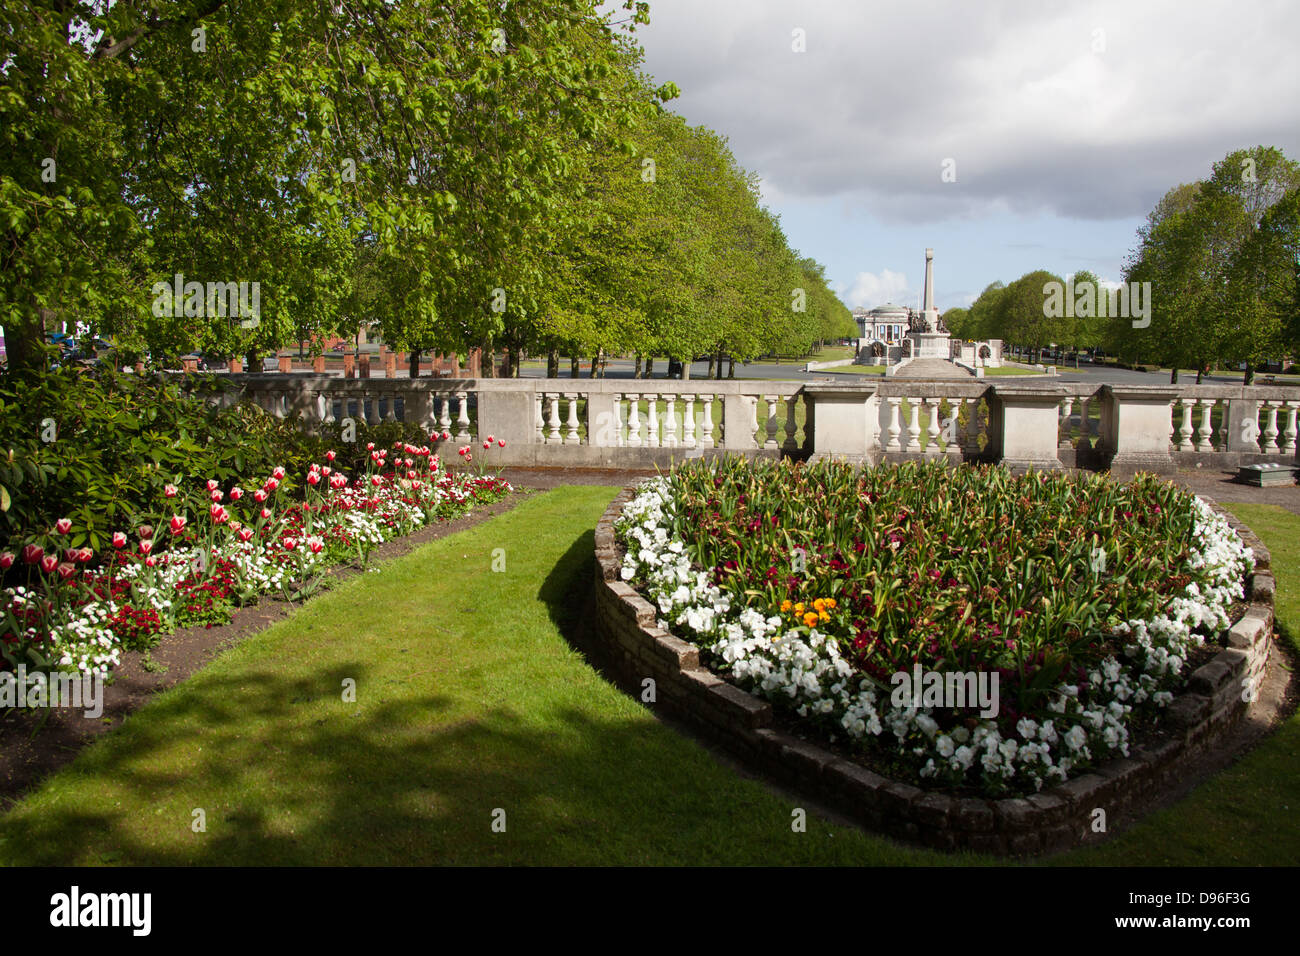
(1097, 612)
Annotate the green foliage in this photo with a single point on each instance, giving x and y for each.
(100, 448)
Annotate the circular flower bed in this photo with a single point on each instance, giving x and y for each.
(973, 629)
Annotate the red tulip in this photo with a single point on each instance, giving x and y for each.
(272, 484)
(6, 561)
(236, 494)
(150, 561)
(63, 525)
(469, 457)
(370, 446)
(212, 484)
(446, 436)
(146, 547)
(145, 531)
(313, 478)
(33, 553)
(289, 544)
(487, 445)
(218, 513)
(49, 563)
(277, 473)
(316, 545)
(177, 524)
(245, 534)
(169, 491)
(490, 439)
(266, 513)
(374, 480)
(259, 496)
(329, 456)
(119, 539)
(66, 570)
(217, 495)
(501, 443)
(462, 451)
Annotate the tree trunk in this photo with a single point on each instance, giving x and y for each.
(686, 370)
(516, 362)
(649, 366)
(487, 362)
(413, 366)
(731, 366)
(718, 373)
(712, 366)
(301, 356)
(575, 366)
(1248, 378)
(1200, 375)
(552, 364)
(595, 365)
(1173, 376)
(636, 370)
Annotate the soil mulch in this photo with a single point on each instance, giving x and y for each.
(35, 744)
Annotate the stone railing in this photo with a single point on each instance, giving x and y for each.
(640, 423)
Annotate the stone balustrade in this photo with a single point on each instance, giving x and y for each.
(631, 423)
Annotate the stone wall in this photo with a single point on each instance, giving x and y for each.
(1057, 818)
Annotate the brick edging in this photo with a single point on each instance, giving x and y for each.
(1053, 819)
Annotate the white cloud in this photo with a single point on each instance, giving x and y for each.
(870, 290)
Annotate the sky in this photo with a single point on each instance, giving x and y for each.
(1008, 135)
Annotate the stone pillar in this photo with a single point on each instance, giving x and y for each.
(318, 364)
(390, 362)
(349, 365)
(839, 419)
(1137, 425)
(1024, 424)
(738, 422)
(363, 360)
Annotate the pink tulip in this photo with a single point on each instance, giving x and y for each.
(146, 547)
(266, 513)
(169, 491)
(66, 570)
(63, 525)
(33, 553)
(469, 457)
(177, 524)
(150, 562)
(119, 539)
(145, 531)
(49, 563)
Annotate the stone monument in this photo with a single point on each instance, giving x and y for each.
(926, 332)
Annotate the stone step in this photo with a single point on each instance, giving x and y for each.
(932, 368)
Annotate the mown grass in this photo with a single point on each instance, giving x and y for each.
(469, 700)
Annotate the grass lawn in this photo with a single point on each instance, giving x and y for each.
(469, 700)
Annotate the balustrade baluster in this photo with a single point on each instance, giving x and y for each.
(1205, 434)
(462, 417)
(772, 423)
(571, 437)
(688, 421)
(895, 427)
(1289, 436)
(670, 421)
(1185, 428)
(706, 423)
(791, 442)
(1270, 430)
(914, 425)
(932, 426)
(634, 420)
(652, 420)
